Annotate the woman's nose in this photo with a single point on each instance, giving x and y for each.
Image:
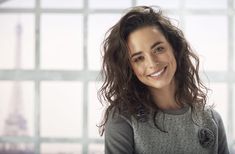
(151, 61)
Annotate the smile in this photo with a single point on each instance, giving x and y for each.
(157, 74)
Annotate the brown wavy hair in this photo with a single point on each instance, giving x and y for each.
(122, 90)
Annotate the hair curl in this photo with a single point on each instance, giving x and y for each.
(121, 88)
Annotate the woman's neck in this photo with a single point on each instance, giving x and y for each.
(164, 98)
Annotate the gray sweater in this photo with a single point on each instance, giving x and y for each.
(126, 135)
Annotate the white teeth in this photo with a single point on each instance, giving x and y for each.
(157, 73)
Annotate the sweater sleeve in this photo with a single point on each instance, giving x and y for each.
(222, 139)
(118, 136)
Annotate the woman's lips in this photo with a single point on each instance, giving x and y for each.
(158, 73)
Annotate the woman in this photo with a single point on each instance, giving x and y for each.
(156, 100)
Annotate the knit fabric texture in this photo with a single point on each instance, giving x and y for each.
(178, 132)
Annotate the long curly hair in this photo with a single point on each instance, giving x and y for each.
(122, 90)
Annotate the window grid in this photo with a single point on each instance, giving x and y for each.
(37, 109)
(85, 75)
(231, 50)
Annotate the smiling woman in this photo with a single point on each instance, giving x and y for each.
(156, 102)
(153, 61)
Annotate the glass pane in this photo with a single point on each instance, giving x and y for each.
(209, 40)
(60, 148)
(17, 41)
(233, 117)
(233, 148)
(61, 42)
(61, 3)
(16, 148)
(219, 97)
(175, 19)
(206, 4)
(169, 4)
(61, 109)
(16, 108)
(17, 3)
(96, 36)
(233, 43)
(96, 149)
(109, 4)
(95, 110)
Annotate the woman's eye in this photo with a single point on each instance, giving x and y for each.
(158, 49)
(138, 59)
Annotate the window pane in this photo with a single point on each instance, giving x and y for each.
(60, 148)
(16, 148)
(61, 3)
(16, 108)
(175, 19)
(95, 110)
(61, 40)
(17, 41)
(96, 149)
(17, 3)
(233, 148)
(96, 36)
(233, 116)
(233, 43)
(109, 4)
(219, 97)
(61, 109)
(206, 4)
(169, 4)
(209, 40)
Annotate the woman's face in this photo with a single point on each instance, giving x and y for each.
(151, 57)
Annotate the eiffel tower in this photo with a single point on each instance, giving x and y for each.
(15, 123)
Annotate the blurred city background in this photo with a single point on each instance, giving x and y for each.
(50, 62)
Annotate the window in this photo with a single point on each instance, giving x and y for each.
(50, 59)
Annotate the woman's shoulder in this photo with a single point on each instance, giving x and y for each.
(119, 115)
(214, 114)
(118, 130)
(207, 115)
(222, 139)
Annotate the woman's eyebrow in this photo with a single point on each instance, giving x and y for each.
(135, 54)
(155, 44)
(152, 46)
